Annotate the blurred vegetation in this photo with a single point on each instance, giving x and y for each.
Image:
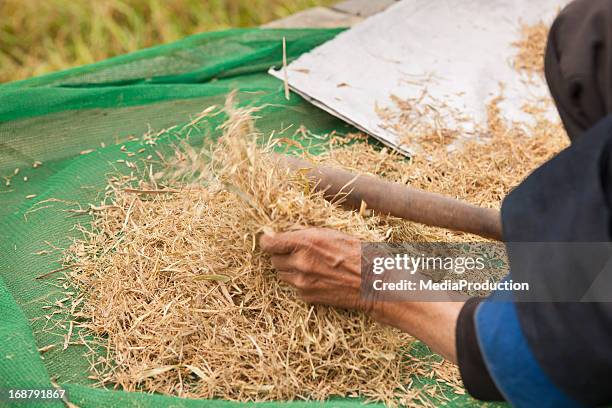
(38, 36)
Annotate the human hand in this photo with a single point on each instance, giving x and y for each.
(324, 266)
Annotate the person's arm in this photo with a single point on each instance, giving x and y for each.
(385, 197)
(434, 323)
(321, 264)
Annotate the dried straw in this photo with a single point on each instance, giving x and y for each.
(177, 290)
(531, 48)
(481, 168)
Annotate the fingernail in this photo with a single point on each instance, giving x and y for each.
(268, 231)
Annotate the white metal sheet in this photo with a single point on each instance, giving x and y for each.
(464, 47)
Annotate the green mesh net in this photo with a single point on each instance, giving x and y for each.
(74, 123)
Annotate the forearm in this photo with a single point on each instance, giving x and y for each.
(431, 322)
(400, 200)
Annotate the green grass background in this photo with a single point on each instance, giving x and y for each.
(40, 36)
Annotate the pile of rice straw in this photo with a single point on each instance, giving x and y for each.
(531, 49)
(174, 285)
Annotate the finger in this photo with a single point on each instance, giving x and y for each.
(283, 262)
(279, 242)
(287, 277)
(307, 284)
(326, 293)
(296, 279)
(288, 242)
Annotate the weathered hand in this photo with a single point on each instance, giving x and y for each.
(322, 264)
(325, 267)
